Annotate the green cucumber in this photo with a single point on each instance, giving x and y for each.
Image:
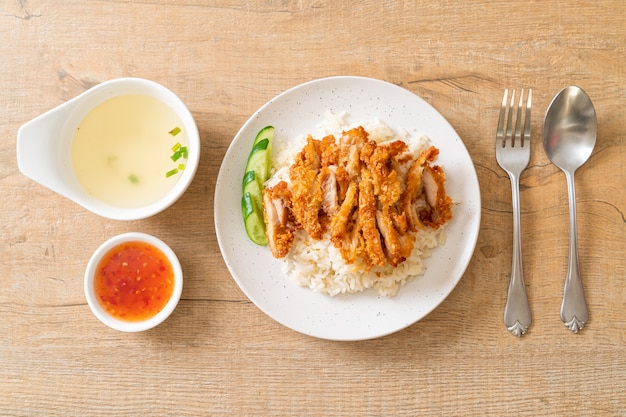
(253, 219)
(258, 170)
(262, 142)
(257, 164)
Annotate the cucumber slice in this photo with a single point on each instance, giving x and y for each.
(253, 219)
(248, 178)
(262, 148)
(266, 133)
(257, 162)
(257, 172)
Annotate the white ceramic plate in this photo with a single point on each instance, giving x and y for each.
(365, 315)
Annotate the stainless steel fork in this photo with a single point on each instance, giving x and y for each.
(513, 155)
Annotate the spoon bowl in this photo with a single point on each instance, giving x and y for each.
(570, 129)
(569, 135)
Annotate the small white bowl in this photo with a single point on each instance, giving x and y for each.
(132, 326)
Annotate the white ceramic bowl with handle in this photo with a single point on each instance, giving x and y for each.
(44, 146)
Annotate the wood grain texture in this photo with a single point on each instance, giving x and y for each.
(219, 354)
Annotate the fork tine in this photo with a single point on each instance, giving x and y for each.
(500, 129)
(518, 125)
(526, 138)
(509, 126)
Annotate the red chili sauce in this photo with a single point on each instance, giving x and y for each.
(134, 281)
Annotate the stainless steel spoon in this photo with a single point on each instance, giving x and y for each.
(569, 135)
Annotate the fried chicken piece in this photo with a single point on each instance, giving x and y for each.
(352, 243)
(279, 226)
(306, 193)
(378, 159)
(400, 221)
(344, 226)
(328, 184)
(343, 182)
(339, 224)
(413, 188)
(350, 145)
(329, 151)
(397, 248)
(367, 221)
(439, 204)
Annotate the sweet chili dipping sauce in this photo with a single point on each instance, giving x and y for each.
(134, 281)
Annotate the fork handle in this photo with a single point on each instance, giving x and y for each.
(517, 310)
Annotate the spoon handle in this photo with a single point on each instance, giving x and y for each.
(574, 307)
(517, 310)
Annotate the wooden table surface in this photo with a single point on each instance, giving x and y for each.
(220, 354)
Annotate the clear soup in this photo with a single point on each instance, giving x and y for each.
(129, 151)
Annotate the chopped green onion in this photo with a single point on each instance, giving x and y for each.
(176, 156)
(133, 179)
(180, 151)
